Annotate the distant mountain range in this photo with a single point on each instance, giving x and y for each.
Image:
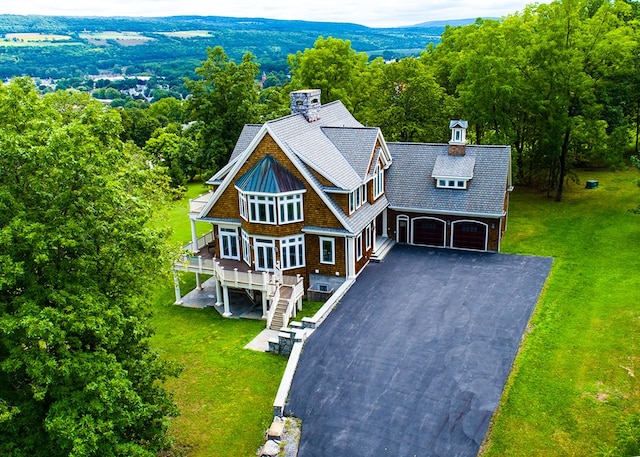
(57, 46)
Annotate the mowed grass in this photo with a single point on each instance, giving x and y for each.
(573, 380)
(576, 373)
(225, 392)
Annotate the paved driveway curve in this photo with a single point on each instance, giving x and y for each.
(413, 360)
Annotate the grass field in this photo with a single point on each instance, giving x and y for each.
(575, 375)
(36, 39)
(187, 34)
(572, 381)
(225, 392)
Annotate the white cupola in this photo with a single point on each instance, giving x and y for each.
(458, 132)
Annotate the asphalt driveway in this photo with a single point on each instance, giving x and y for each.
(413, 360)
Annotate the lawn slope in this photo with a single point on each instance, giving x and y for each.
(576, 373)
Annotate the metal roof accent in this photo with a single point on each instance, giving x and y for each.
(269, 176)
(454, 167)
(458, 123)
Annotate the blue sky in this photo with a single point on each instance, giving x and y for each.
(373, 13)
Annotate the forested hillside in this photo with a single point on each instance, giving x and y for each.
(46, 46)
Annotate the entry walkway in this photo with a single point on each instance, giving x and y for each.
(413, 360)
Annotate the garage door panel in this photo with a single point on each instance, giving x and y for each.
(428, 232)
(469, 235)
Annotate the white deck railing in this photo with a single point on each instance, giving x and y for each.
(297, 291)
(274, 304)
(197, 204)
(200, 242)
(296, 295)
(231, 278)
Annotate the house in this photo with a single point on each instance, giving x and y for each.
(312, 197)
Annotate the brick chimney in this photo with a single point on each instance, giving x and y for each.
(306, 102)
(457, 144)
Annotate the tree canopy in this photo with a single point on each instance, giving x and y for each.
(78, 255)
(223, 100)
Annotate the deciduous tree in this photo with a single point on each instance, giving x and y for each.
(224, 99)
(78, 260)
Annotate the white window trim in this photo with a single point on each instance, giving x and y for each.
(262, 242)
(378, 182)
(244, 208)
(298, 208)
(246, 248)
(298, 244)
(227, 232)
(333, 250)
(452, 183)
(357, 198)
(368, 232)
(269, 202)
(359, 246)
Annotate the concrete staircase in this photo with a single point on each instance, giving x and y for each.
(278, 316)
(383, 246)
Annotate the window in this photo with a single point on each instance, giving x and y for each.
(229, 243)
(368, 233)
(262, 209)
(451, 183)
(327, 250)
(292, 252)
(359, 247)
(264, 254)
(290, 208)
(357, 198)
(243, 206)
(378, 182)
(246, 248)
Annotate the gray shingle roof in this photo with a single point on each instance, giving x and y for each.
(249, 131)
(448, 166)
(356, 145)
(410, 184)
(309, 142)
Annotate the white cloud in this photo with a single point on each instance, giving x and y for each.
(373, 13)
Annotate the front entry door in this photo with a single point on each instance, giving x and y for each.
(403, 230)
(264, 254)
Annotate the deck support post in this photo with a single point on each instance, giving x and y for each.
(194, 236)
(198, 282)
(264, 304)
(176, 286)
(225, 294)
(218, 292)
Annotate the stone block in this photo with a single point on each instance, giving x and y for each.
(276, 430)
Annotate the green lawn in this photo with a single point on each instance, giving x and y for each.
(573, 379)
(225, 392)
(575, 374)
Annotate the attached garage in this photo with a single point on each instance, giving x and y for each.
(428, 231)
(469, 235)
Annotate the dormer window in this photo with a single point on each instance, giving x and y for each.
(378, 181)
(357, 198)
(452, 183)
(453, 172)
